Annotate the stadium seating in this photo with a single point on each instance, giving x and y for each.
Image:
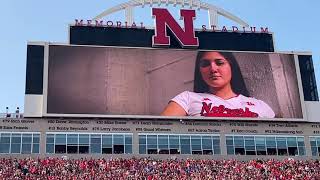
(147, 168)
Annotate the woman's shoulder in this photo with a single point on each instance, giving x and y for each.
(263, 107)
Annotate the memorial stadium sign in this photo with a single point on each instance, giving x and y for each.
(163, 20)
(141, 25)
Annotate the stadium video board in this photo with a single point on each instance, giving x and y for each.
(93, 81)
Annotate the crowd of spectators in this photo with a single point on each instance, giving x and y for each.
(152, 169)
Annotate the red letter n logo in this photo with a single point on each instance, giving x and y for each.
(185, 36)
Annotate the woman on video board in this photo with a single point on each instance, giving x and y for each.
(219, 91)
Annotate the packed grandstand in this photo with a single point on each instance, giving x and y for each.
(153, 169)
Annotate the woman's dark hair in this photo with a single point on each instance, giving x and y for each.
(237, 82)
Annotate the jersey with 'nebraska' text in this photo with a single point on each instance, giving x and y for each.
(209, 105)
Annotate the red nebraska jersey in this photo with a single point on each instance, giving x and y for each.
(209, 105)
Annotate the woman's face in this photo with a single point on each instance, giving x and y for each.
(215, 70)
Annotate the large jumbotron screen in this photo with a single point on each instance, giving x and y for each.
(92, 81)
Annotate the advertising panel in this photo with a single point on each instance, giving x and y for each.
(89, 81)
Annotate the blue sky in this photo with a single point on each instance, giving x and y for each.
(295, 24)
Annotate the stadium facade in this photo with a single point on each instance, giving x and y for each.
(102, 94)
